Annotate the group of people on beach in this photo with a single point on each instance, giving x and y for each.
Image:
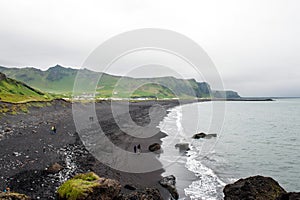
(137, 149)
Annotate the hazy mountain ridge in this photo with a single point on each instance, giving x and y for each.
(59, 79)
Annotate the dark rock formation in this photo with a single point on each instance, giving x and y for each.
(2, 76)
(13, 196)
(154, 147)
(199, 135)
(203, 135)
(129, 187)
(256, 187)
(169, 183)
(209, 136)
(183, 146)
(290, 196)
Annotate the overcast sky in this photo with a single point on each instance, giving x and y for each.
(254, 44)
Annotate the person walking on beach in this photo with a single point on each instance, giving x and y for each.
(53, 129)
(91, 119)
(134, 148)
(139, 148)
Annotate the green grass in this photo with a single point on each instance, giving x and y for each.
(78, 187)
(15, 92)
(19, 97)
(16, 108)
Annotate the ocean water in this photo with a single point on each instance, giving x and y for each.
(254, 138)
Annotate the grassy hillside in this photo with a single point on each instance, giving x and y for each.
(16, 91)
(60, 80)
(56, 79)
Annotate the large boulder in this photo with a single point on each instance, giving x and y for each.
(199, 135)
(169, 182)
(204, 135)
(256, 187)
(182, 146)
(89, 186)
(154, 147)
(146, 194)
(13, 196)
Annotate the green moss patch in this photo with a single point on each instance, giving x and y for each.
(78, 187)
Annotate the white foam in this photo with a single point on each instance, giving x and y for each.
(208, 186)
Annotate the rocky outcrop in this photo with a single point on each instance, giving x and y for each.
(154, 147)
(169, 182)
(146, 194)
(2, 76)
(204, 135)
(13, 196)
(256, 187)
(89, 186)
(182, 146)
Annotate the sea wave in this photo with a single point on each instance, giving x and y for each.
(208, 185)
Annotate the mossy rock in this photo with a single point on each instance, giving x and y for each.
(89, 186)
(13, 196)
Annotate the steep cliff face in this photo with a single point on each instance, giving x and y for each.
(225, 94)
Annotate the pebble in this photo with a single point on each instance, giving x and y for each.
(16, 154)
(7, 129)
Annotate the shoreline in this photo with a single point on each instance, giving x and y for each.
(29, 148)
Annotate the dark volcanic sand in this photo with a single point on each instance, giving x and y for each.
(28, 148)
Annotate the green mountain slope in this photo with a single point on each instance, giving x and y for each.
(56, 79)
(59, 79)
(16, 91)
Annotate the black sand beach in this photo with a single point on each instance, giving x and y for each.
(28, 148)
